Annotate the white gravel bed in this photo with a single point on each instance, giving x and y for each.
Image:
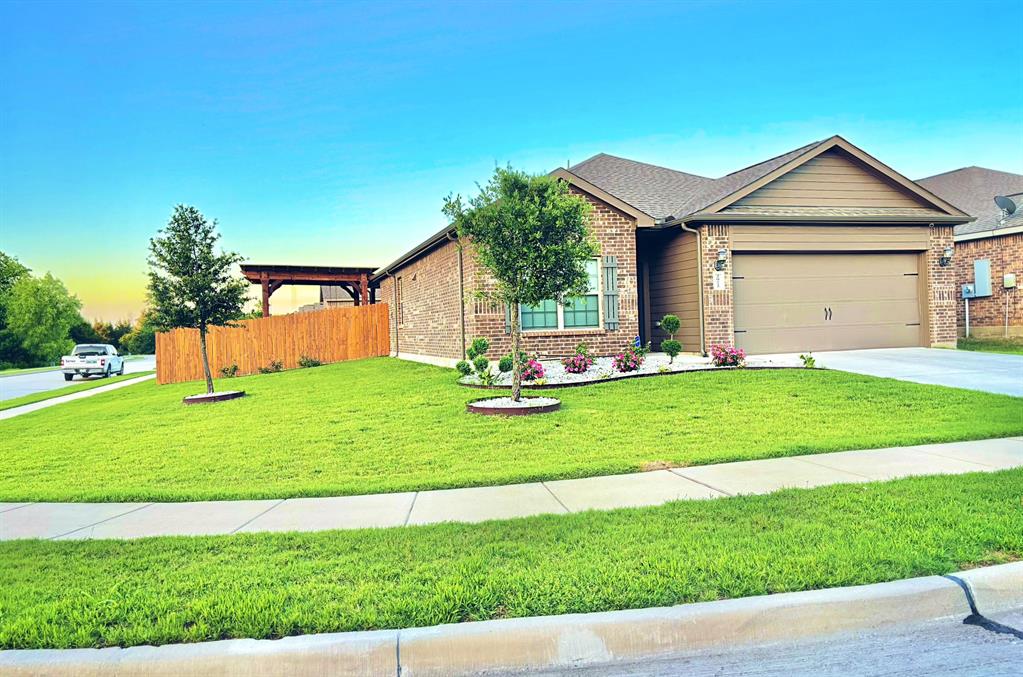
(655, 363)
(509, 403)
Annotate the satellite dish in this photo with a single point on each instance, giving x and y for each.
(1005, 204)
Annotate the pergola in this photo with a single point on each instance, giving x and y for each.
(273, 277)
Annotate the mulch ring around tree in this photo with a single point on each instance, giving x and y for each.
(506, 406)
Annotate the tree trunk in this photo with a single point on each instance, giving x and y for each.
(516, 336)
(205, 361)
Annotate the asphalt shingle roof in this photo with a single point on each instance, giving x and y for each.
(651, 189)
(727, 185)
(973, 189)
(662, 192)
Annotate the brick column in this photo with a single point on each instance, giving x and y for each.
(718, 311)
(941, 290)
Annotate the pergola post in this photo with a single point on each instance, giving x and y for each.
(364, 289)
(264, 281)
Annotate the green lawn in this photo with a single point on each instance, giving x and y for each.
(28, 370)
(1009, 346)
(66, 390)
(161, 590)
(385, 425)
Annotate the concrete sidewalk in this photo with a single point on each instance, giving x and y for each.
(60, 399)
(476, 504)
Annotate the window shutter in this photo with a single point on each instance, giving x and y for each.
(611, 293)
(507, 319)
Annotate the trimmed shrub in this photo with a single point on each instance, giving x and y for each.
(305, 362)
(481, 364)
(477, 347)
(672, 348)
(628, 360)
(727, 356)
(505, 365)
(229, 372)
(272, 368)
(532, 370)
(463, 368)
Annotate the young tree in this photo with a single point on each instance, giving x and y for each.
(531, 234)
(40, 313)
(190, 284)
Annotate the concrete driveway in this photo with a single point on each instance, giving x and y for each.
(989, 372)
(27, 384)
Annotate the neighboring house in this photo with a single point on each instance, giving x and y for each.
(822, 248)
(331, 296)
(994, 237)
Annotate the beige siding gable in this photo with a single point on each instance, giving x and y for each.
(834, 179)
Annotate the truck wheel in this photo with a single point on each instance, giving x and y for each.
(68, 377)
(120, 372)
(106, 374)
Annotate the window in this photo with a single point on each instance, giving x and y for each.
(584, 311)
(542, 316)
(579, 312)
(401, 313)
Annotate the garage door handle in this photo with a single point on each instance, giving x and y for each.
(827, 313)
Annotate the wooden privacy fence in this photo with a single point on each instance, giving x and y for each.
(330, 335)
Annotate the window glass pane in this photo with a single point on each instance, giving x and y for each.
(591, 270)
(582, 311)
(541, 316)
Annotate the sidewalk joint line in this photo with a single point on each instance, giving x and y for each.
(956, 458)
(408, 516)
(96, 524)
(555, 496)
(850, 472)
(248, 522)
(675, 471)
(23, 505)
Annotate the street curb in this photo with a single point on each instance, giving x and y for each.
(551, 642)
(995, 588)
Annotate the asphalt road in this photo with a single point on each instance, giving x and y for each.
(937, 648)
(26, 384)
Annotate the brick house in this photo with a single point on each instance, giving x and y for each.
(823, 247)
(993, 243)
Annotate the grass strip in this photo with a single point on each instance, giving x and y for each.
(1008, 346)
(385, 425)
(66, 390)
(103, 593)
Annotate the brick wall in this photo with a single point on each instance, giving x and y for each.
(431, 302)
(430, 305)
(718, 309)
(615, 233)
(987, 315)
(941, 292)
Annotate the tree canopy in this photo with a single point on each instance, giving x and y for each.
(190, 283)
(532, 235)
(40, 313)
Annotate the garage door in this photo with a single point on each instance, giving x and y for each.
(799, 302)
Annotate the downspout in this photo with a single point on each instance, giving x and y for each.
(699, 270)
(461, 292)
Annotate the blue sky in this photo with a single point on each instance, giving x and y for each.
(330, 132)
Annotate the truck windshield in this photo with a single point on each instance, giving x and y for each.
(88, 351)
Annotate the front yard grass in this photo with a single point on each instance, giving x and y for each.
(161, 590)
(385, 425)
(1009, 346)
(66, 390)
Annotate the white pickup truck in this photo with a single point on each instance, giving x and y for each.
(92, 359)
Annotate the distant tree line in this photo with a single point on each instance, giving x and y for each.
(40, 320)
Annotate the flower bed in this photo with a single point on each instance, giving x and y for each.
(602, 369)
